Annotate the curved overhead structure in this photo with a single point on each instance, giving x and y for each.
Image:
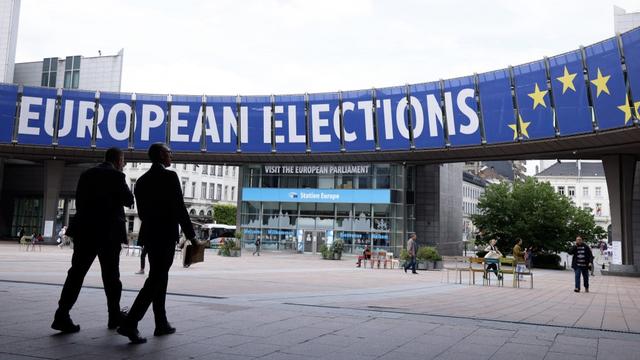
(583, 101)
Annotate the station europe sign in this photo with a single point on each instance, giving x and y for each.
(576, 92)
(377, 196)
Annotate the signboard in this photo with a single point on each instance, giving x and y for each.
(616, 249)
(378, 196)
(316, 169)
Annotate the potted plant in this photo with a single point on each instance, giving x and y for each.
(230, 247)
(423, 257)
(337, 247)
(324, 250)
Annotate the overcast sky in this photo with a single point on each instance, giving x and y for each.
(279, 47)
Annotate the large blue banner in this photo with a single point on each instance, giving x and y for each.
(378, 196)
(259, 124)
(573, 114)
(77, 113)
(631, 46)
(221, 124)
(359, 129)
(324, 122)
(496, 106)
(151, 120)
(8, 97)
(390, 136)
(608, 90)
(426, 116)
(185, 127)
(534, 106)
(462, 112)
(114, 120)
(36, 118)
(289, 125)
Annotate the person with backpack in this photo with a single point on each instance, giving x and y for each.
(257, 243)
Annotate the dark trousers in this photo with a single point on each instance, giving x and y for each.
(155, 287)
(143, 254)
(411, 264)
(83, 256)
(492, 267)
(585, 276)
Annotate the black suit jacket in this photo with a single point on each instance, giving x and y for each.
(101, 193)
(161, 207)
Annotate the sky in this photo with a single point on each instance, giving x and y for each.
(288, 47)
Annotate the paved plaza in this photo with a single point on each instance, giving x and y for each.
(291, 306)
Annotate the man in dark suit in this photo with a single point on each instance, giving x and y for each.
(161, 209)
(98, 229)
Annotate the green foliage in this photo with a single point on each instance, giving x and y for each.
(227, 246)
(404, 255)
(534, 212)
(547, 261)
(428, 253)
(337, 247)
(224, 214)
(324, 250)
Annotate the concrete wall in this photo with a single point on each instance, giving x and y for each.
(635, 211)
(439, 207)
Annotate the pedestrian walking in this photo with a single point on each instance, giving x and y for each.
(412, 249)
(99, 230)
(581, 262)
(161, 209)
(257, 243)
(143, 254)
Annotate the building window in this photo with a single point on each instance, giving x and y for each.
(233, 171)
(134, 165)
(211, 190)
(130, 223)
(204, 169)
(598, 191)
(585, 191)
(212, 170)
(572, 191)
(194, 167)
(218, 191)
(218, 170)
(598, 209)
(72, 72)
(226, 192)
(49, 72)
(233, 193)
(184, 186)
(585, 206)
(184, 166)
(203, 190)
(561, 190)
(193, 189)
(226, 171)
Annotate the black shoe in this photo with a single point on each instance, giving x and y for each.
(405, 269)
(586, 290)
(132, 333)
(414, 272)
(165, 329)
(576, 290)
(65, 325)
(116, 320)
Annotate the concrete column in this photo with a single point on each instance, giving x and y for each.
(1, 175)
(53, 172)
(619, 171)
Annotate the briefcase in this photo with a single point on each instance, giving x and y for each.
(193, 254)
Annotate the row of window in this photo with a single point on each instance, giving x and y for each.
(597, 211)
(471, 192)
(214, 170)
(571, 191)
(469, 208)
(71, 72)
(215, 191)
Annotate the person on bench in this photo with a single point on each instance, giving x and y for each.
(366, 254)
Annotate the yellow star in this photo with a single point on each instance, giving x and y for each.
(637, 106)
(626, 109)
(538, 97)
(567, 80)
(523, 128)
(601, 83)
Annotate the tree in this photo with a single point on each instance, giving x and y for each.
(534, 212)
(224, 214)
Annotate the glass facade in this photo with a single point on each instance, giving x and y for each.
(357, 217)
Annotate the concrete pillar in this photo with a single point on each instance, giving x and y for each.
(53, 172)
(1, 175)
(619, 171)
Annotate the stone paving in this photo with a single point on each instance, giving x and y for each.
(289, 306)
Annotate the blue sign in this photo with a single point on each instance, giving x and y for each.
(77, 113)
(535, 115)
(496, 105)
(631, 45)
(359, 129)
(114, 120)
(289, 124)
(151, 120)
(185, 126)
(324, 122)
(608, 91)
(8, 95)
(36, 118)
(378, 196)
(570, 94)
(393, 128)
(427, 118)
(221, 124)
(259, 124)
(462, 112)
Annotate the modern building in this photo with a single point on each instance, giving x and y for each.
(584, 184)
(9, 19)
(202, 187)
(305, 206)
(473, 187)
(102, 73)
(624, 21)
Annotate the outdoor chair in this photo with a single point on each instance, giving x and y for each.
(24, 242)
(455, 264)
(487, 273)
(517, 274)
(507, 271)
(392, 261)
(474, 268)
